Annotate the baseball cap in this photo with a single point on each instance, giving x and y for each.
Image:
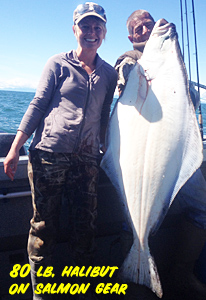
(89, 9)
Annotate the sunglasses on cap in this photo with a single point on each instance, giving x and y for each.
(89, 9)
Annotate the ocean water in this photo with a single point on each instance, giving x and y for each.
(14, 105)
(12, 108)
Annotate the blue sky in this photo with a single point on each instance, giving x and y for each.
(33, 30)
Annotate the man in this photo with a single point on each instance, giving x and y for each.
(139, 25)
(192, 196)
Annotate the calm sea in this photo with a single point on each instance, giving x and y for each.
(12, 108)
(14, 104)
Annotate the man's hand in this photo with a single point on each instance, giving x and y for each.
(163, 22)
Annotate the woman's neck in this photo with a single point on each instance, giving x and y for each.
(87, 59)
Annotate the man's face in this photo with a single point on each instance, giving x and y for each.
(142, 28)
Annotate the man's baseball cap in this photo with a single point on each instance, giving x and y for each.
(89, 9)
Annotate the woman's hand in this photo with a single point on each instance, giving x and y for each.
(10, 163)
(12, 158)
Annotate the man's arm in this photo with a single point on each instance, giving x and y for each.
(123, 69)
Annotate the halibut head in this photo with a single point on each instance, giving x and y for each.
(153, 146)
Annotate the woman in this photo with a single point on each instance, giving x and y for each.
(70, 113)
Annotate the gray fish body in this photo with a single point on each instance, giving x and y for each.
(154, 146)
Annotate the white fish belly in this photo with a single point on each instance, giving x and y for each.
(154, 147)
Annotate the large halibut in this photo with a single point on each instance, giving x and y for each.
(153, 146)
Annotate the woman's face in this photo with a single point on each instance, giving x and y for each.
(90, 33)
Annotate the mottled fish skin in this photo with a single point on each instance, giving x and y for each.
(154, 146)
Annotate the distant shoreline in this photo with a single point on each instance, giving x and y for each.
(19, 90)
